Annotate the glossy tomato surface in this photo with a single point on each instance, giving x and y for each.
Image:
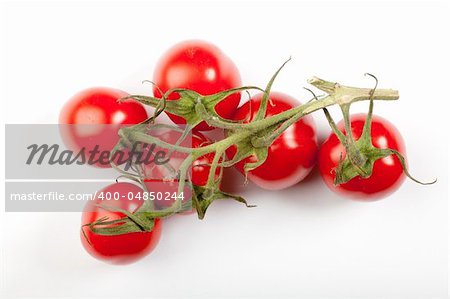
(198, 66)
(93, 118)
(387, 173)
(291, 156)
(124, 248)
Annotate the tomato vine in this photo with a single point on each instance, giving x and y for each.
(251, 138)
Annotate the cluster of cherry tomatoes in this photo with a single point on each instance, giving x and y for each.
(204, 68)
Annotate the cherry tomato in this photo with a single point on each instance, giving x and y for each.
(156, 176)
(123, 248)
(387, 173)
(291, 156)
(93, 118)
(198, 66)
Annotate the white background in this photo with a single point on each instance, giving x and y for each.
(305, 241)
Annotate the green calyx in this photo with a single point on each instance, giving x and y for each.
(202, 198)
(361, 154)
(358, 162)
(191, 106)
(131, 223)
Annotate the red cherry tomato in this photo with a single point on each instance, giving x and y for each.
(123, 248)
(93, 118)
(387, 173)
(198, 66)
(155, 176)
(291, 156)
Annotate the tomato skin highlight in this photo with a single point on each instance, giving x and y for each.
(98, 105)
(124, 248)
(291, 156)
(387, 175)
(99, 118)
(202, 67)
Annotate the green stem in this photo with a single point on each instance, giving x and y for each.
(215, 121)
(212, 172)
